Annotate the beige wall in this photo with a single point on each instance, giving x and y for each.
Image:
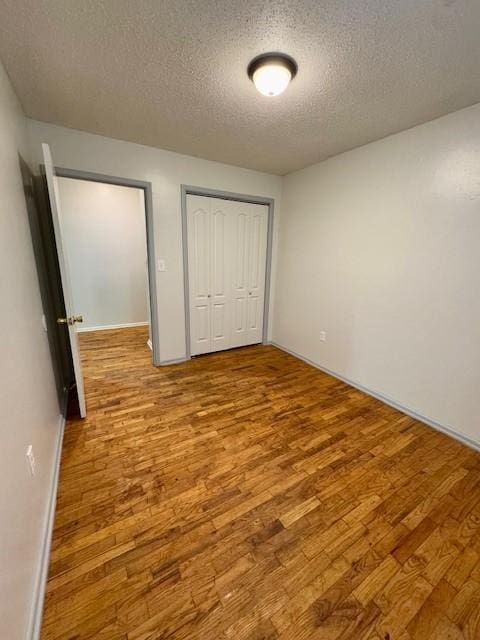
(166, 171)
(380, 248)
(29, 412)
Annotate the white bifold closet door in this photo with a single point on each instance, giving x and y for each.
(227, 249)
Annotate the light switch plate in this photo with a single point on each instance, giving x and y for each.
(161, 265)
(323, 336)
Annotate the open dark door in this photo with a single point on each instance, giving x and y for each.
(70, 318)
(43, 240)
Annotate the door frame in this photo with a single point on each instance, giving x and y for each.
(189, 190)
(146, 187)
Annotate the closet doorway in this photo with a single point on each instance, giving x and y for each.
(227, 253)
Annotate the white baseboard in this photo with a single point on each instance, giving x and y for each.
(166, 363)
(35, 623)
(449, 431)
(112, 326)
(149, 344)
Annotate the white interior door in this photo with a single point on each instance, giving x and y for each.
(199, 266)
(227, 251)
(219, 275)
(239, 237)
(71, 317)
(257, 258)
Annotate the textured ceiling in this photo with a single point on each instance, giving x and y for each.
(172, 74)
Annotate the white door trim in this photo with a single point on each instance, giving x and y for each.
(224, 195)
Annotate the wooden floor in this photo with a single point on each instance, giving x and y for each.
(247, 495)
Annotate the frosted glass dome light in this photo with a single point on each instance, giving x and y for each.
(271, 73)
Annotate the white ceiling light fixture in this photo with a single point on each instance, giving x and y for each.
(271, 73)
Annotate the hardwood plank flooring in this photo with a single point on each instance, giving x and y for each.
(246, 495)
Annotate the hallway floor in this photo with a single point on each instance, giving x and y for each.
(246, 495)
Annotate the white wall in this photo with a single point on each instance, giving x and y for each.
(105, 239)
(29, 412)
(166, 171)
(380, 247)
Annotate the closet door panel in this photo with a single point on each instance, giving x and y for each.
(220, 274)
(198, 232)
(257, 256)
(202, 326)
(253, 315)
(239, 230)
